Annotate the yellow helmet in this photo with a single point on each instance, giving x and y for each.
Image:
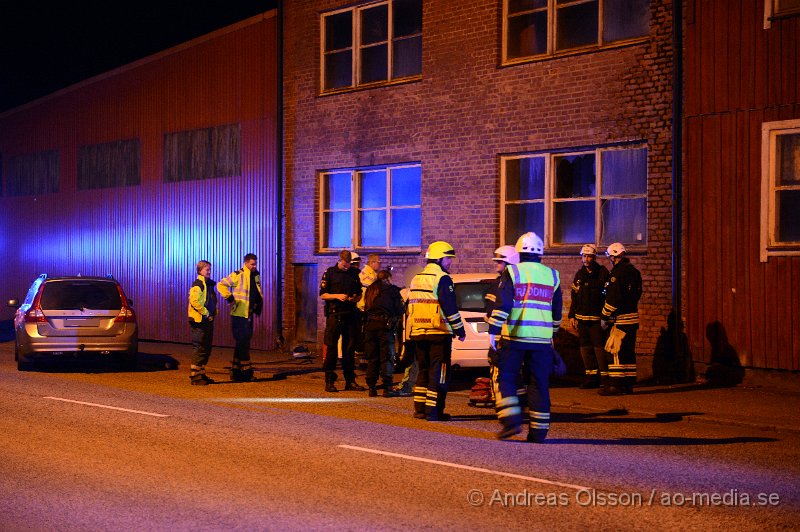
(440, 249)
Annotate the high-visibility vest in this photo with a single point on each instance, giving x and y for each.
(531, 317)
(197, 300)
(425, 316)
(237, 284)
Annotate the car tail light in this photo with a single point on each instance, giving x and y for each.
(126, 314)
(35, 314)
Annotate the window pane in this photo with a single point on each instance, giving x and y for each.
(523, 218)
(337, 191)
(625, 171)
(576, 25)
(575, 176)
(525, 178)
(527, 35)
(515, 6)
(406, 184)
(375, 24)
(783, 7)
(625, 19)
(373, 228)
(624, 220)
(789, 216)
(789, 159)
(373, 189)
(406, 228)
(573, 222)
(337, 230)
(374, 63)
(407, 57)
(339, 31)
(339, 70)
(407, 17)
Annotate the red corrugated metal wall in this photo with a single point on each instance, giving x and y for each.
(738, 76)
(150, 236)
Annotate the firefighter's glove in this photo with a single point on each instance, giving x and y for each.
(493, 342)
(230, 299)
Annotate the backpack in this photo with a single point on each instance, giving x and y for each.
(481, 392)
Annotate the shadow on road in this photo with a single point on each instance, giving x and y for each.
(104, 364)
(619, 416)
(658, 440)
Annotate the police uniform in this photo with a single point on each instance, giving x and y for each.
(341, 320)
(433, 319)
(586, 306)
(242, 289)
(623, 290)
(528, 313)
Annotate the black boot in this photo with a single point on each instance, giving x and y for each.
(353, 386)
(373, 392)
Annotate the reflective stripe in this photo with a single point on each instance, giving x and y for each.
(425, 316)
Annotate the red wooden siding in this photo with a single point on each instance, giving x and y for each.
(738, 76)
(150, 236)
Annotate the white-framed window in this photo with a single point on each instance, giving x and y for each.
(371, 44)
(571, 198)
(371, 208)
(540, 28)
(775, 9)
(780, 188)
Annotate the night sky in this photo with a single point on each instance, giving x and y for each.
(46, 46)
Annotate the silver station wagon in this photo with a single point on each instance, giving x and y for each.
(75, 316)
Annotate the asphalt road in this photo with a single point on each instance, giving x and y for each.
(88, 448)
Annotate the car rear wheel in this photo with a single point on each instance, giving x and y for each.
(23, 363)
(129, 360)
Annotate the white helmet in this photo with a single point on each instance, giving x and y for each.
(615, 250)
(589, 249)
(530, 243)
(354, 257)
(506, 254)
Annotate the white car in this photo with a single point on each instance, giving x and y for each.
(471, 289)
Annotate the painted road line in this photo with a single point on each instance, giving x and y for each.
(107, 406)
(287, 400)
(468, 468)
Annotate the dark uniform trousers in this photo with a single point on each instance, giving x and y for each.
(537, 362)
(433, 359)
(344, 325)
(622, 367)
(592, 341)
(242, 334)
(202, 337)
(380, 358)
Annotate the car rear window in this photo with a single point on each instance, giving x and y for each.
(472, 296)
(70, 295)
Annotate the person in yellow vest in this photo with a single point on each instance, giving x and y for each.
(527, 314)
(432, 322)
(242, 289)
(202, 310)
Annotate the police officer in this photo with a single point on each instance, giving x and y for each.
(340, 290)
(433, 319)
(527, 315)
(242, 290)
(202, 311)
(621, 308)
(584, 315)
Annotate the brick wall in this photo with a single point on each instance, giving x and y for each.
(460, 117)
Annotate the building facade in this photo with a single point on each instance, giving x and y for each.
(411, 121)
(143, 171)
(742, 145)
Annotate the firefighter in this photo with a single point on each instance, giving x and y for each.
(621, 309)
(341, 291)
(503, 256)
(584, 316)
(202, 311)
(242, 290)
(527, 314)
(432, 321)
